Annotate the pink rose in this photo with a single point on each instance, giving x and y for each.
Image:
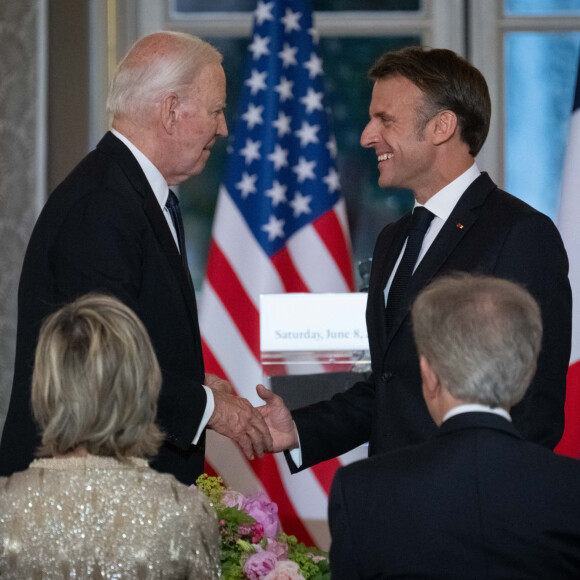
(233, 498)
(281, 550)
(265, 512)
(259, 564)
(256, 531)
(285, 570)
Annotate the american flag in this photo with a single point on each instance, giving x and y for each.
(568, 221)
(280, 226)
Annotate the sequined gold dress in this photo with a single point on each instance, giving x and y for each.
(95, 518)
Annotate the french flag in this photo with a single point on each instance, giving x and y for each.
(569, 226)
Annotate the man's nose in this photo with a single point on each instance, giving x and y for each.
(368, 137)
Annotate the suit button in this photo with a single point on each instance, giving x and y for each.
(386, 376)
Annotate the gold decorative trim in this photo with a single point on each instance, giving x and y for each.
(111, 38)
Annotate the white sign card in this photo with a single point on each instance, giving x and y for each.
(313, 322)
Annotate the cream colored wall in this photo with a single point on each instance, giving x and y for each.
(21, 156)
(43, 133)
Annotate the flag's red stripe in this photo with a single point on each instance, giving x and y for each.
(234, 297)
(570, 443)
(208, 468)
(324, 473)
(331, 233)
(266, 469)
(291, 278)
(210, 362)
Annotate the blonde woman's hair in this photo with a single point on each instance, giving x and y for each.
(96, 381)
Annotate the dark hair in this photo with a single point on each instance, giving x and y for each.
(449, 82)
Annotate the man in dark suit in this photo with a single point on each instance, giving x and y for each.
(114, 226)
(475, 500)
(429, 117)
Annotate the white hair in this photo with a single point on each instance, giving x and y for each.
(155, 66)
(481, 335)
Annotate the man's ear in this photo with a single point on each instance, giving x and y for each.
(431, 383)
(169, 112)
(444, 126)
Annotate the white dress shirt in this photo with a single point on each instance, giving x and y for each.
(476, 408)
(161, 191)
(440, 205)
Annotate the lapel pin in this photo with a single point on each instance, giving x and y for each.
(460, 225)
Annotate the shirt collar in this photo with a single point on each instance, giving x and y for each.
(476, 408)
(152, 174)
(442, 203)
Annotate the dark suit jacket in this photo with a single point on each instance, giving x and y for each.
(490, 232)
(474, 501)
(102, 230)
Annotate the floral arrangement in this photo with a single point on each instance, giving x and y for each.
(254, 547)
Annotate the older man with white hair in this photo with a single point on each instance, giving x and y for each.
(475, 500)
(114, 226)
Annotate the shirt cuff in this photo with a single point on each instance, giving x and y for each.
(209, 408)
(296, 454)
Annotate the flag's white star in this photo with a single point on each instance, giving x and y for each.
(251, 151)
(332, 180)
(301, 204)
(314, 33)
(257, 81)
(253, 116)
(314, 66)
(307, 133)
(290, 21)
(288, 55)
(259, 46)
(331, 146)
(285, 89)
(277, 193)
(312, 101)
(274, 228)
(247, 185)
(279, 157)
(263, 12)
(304, 170)
(282, 124)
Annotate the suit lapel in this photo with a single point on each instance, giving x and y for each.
(460, 221)
(113, 147)
(386, 255)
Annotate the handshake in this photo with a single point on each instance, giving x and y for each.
(257, 430)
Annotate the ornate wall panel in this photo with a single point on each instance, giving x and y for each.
(21, 159)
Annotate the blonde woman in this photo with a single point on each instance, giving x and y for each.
(90, 506)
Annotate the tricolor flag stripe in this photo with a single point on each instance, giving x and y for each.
(568, 224)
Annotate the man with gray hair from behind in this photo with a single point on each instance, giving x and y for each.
(475, 500)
